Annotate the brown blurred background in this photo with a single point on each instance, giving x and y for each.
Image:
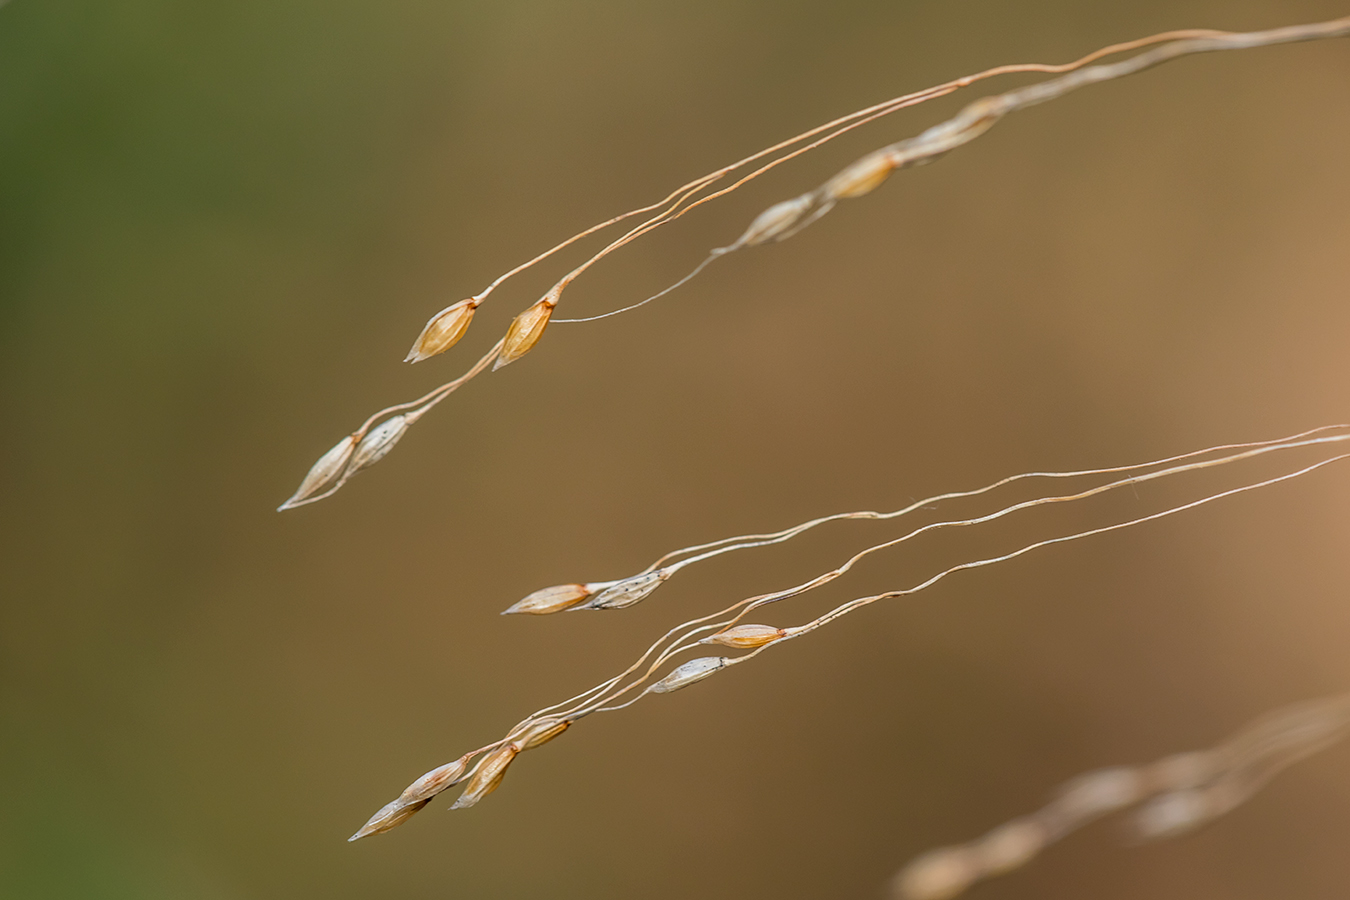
(222, 225)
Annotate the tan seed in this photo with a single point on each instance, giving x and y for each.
(323, 471)
(541, 733)
(378, 442)
(488, 777)
(863, 177)
(435, 781)
(391, 815)
(774, 221)
(629, 591)
(689, 673)
(549, 600)
(746, 637)
(443, 330)
(525, 331)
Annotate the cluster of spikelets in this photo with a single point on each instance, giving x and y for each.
(950, 871)
(1170, 797)
(484, 768)
(378, 435)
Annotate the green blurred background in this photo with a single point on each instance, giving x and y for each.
(221, 225)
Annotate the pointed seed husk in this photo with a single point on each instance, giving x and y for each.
(322, 472)
(774, 221)
(435, 781)
(747, 637)
(685, 675)
(378, 442)
(390, 816)
(549, 600)
(488, 777)
(629, 591)
(541, 733)
(863, 177)
(525, 331)
(443, 330)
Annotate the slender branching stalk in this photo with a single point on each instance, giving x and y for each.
(485, 767)
(378, 434)
(1167, 798)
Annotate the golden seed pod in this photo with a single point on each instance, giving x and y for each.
(325, 470)
(488, 777)
(939, 875)
(525, 331)
(443, 330)
(746, 637)
(435, 781)
(390, 816)
(863, 177)
(378, 442)
(629, 591)
(774, 221)
(687, 674)
(541, 733)
(550, 600)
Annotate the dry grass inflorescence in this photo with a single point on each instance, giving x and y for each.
(1172, 796)
(1185, 791)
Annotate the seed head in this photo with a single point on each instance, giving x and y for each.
(390, 816)
(435, 781)
(687, 674)
(629, 591)
(746, 637)
(541, 732)
(863, 177)
(325, 470)
(443, 330)
(550, 600)
(525, 331)
(774, 221)
(488, 776)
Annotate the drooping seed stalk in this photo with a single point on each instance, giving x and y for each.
(728, 627)
(785, 219)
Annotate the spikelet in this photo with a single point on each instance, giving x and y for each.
(378, 442)
(623, 594)
(525, 331)
(435, 781)
(774, 221)
(541, 732)
(863, 177)
(689, 673)
(324, 471)
(391, 815)
(746, 637)
(488, 777)
(550, 600)
(443, 330)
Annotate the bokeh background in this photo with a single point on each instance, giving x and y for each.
(221, 225)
